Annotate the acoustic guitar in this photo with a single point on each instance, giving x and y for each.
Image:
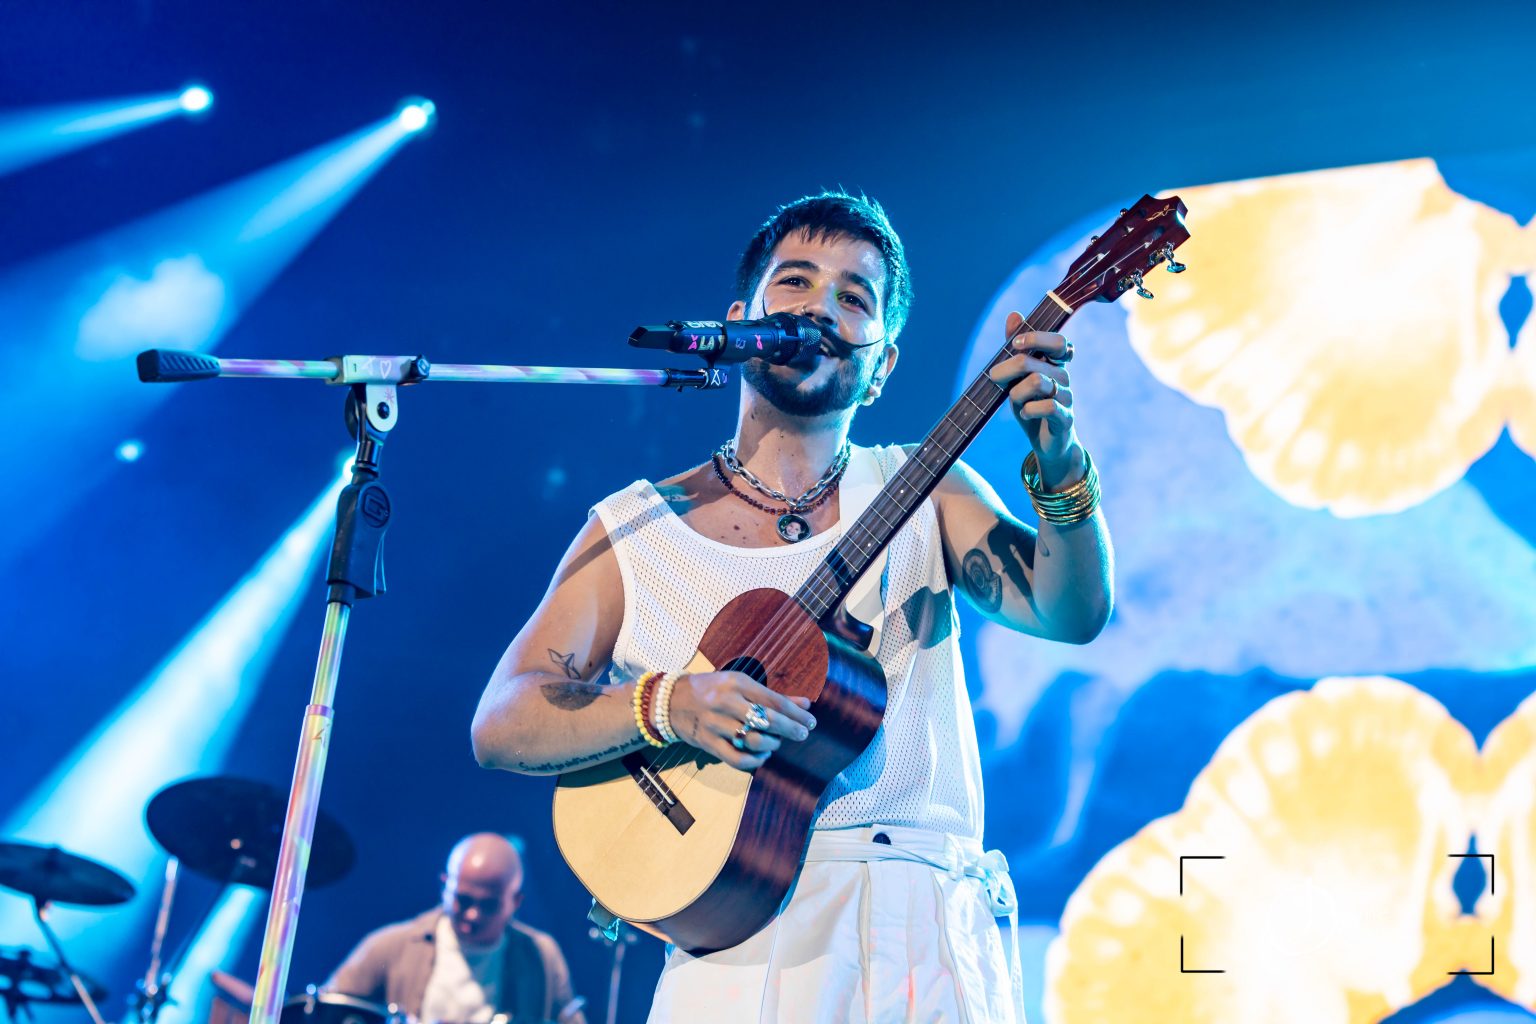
(682, 845)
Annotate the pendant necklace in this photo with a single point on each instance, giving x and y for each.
(792, 524)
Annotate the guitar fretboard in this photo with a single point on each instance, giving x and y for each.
(916, 479)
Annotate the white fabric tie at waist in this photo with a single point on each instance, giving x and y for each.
(957, 856)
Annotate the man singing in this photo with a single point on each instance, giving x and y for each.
(892, 917)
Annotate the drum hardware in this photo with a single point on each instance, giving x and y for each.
(316, 1007)
(26, 981)
(228, 830)
(618, 937)
(52, 876)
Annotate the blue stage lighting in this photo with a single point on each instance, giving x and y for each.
(34, 134)
(195, 99)
(129, 451)
(178, 278)
(416, 114)
(178, 722)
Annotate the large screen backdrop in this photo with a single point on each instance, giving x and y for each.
(1254, 796)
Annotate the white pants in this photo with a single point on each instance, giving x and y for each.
(871, 934)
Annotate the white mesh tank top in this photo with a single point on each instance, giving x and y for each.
(922, 769)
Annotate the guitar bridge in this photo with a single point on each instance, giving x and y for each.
(655, 787)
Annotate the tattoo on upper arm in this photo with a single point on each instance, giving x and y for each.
(982, 581)
(1014, 549)
(571, 696)
(567, 663)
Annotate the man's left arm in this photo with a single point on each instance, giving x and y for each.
(1056, 582)
(1053, 583)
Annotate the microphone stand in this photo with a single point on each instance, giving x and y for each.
(356, 569)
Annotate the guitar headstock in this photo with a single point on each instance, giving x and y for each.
(1145, 235)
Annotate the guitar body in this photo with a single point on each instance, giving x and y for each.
(690, 849)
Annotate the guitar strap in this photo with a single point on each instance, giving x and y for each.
(862, 481)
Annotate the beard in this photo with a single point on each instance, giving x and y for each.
(844, 390)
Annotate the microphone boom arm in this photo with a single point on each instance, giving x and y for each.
(168, 366)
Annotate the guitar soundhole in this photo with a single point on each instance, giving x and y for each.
(747, 666)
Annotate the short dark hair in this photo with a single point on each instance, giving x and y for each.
(832, 214)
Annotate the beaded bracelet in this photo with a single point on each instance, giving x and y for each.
(644, 689)
(661, 710)
(1062, 508)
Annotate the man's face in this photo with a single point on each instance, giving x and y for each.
(840, 283)
(479, 908)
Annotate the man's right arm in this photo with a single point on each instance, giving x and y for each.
(548, 707)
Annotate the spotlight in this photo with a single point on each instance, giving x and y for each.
(416, 114)
(129, 451)
(195, 99)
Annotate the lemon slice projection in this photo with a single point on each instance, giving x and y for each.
(1333, 811)
(1346, 322)
(1506, 911)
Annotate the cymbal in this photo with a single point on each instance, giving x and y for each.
(231, 830)
(25, 981)
(51, 875)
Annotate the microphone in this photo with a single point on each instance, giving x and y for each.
(777, 338)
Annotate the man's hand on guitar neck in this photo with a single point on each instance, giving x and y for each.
(709, 708)
(1055, 582)
(1040, 392)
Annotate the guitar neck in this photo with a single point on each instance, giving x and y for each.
(916, 479)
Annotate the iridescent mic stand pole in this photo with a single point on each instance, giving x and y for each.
(356, 568)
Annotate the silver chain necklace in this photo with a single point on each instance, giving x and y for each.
(792, 525)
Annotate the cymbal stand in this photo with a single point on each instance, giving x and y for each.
(356, 568)
(154, 988)
(40, 910)
(618, 938)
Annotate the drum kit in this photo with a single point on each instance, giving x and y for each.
(223, 828)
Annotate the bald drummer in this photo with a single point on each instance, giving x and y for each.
(466, 960)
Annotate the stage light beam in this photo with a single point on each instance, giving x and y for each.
(178, 278)
(178, 722)
(35, 134)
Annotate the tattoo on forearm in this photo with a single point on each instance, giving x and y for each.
(571, 696)
(985, 587)
(584, 759)
(567, 663)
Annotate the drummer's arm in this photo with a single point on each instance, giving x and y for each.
(365, 971)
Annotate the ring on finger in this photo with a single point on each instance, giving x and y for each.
(757, 718)
(739, 740)
(1054, 387)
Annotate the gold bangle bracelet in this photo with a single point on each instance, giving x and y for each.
(1062, 508)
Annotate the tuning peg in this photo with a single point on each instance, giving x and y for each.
(1174, 266)
(1141, 289)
